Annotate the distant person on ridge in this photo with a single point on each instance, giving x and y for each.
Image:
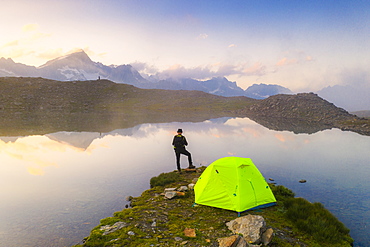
(179, 142)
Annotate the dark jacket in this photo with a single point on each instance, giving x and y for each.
(179, 141)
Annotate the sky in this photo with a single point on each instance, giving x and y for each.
(302, 45)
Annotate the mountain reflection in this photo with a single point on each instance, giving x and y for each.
(37, 153)
(68, 178)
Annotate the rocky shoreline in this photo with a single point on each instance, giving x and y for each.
(166, 216)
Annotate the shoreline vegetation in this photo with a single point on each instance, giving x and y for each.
(154, 220)
(31, 106)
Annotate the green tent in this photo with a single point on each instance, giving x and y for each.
(235, 184)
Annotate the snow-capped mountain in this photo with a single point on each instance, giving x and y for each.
(72, 67)
(263, 91)
(78, 66)
(9, 68)
(217, 85)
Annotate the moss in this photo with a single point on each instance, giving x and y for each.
(164, 179)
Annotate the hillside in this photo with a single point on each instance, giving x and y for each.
(39, 106)
(304, 113)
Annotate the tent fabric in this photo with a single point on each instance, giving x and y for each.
(233, 183)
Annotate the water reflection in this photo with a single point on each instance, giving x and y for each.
(58, 186)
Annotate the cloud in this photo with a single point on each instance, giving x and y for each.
(51, 54)
(10, 44)
(256, 69)
(27, 44)
(232, 46)
(30, 27)
(144, 68)
(202, 36)
(285, 61)
(309, 58)
(37, 36)
(18, 52)
(358, 77)
(179, 71)
(294, 57)
(35, 171)
(176, 71)
(33, 30)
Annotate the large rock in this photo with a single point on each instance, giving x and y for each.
(115, 227)
(170, 194)
(232, 241)
(267, 236)
(249, 226)
(182, 188)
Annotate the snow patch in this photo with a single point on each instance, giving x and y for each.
(4, 72)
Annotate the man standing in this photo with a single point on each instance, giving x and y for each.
(179, 142)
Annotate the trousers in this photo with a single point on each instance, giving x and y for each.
(178, 152)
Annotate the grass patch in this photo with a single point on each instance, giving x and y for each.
(281, 192)
(164, 179)
(315, 220)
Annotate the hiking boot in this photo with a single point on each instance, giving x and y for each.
(191, 167)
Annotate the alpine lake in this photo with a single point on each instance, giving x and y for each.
(55, 187)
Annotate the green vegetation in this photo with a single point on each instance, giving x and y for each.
(156, 221)
(164, 179)
(317, 221)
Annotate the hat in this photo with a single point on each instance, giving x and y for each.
(179, 131)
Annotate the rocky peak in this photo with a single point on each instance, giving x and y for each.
(262, 91)
(75, 59)
(4, 60)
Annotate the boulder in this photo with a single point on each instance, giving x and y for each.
(267, 236)
(191, 186)
(232, 241)
(182, 188)
(249, 226)
(169, 189)
(170, 194)
(116, 226)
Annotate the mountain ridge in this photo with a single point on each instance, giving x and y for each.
(79, 66)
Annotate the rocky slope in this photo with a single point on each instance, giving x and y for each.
(304, 113)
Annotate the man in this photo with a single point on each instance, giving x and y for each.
(179, 142)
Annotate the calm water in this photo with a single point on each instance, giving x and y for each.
(55, 188)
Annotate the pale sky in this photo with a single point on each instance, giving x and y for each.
(302, 45)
